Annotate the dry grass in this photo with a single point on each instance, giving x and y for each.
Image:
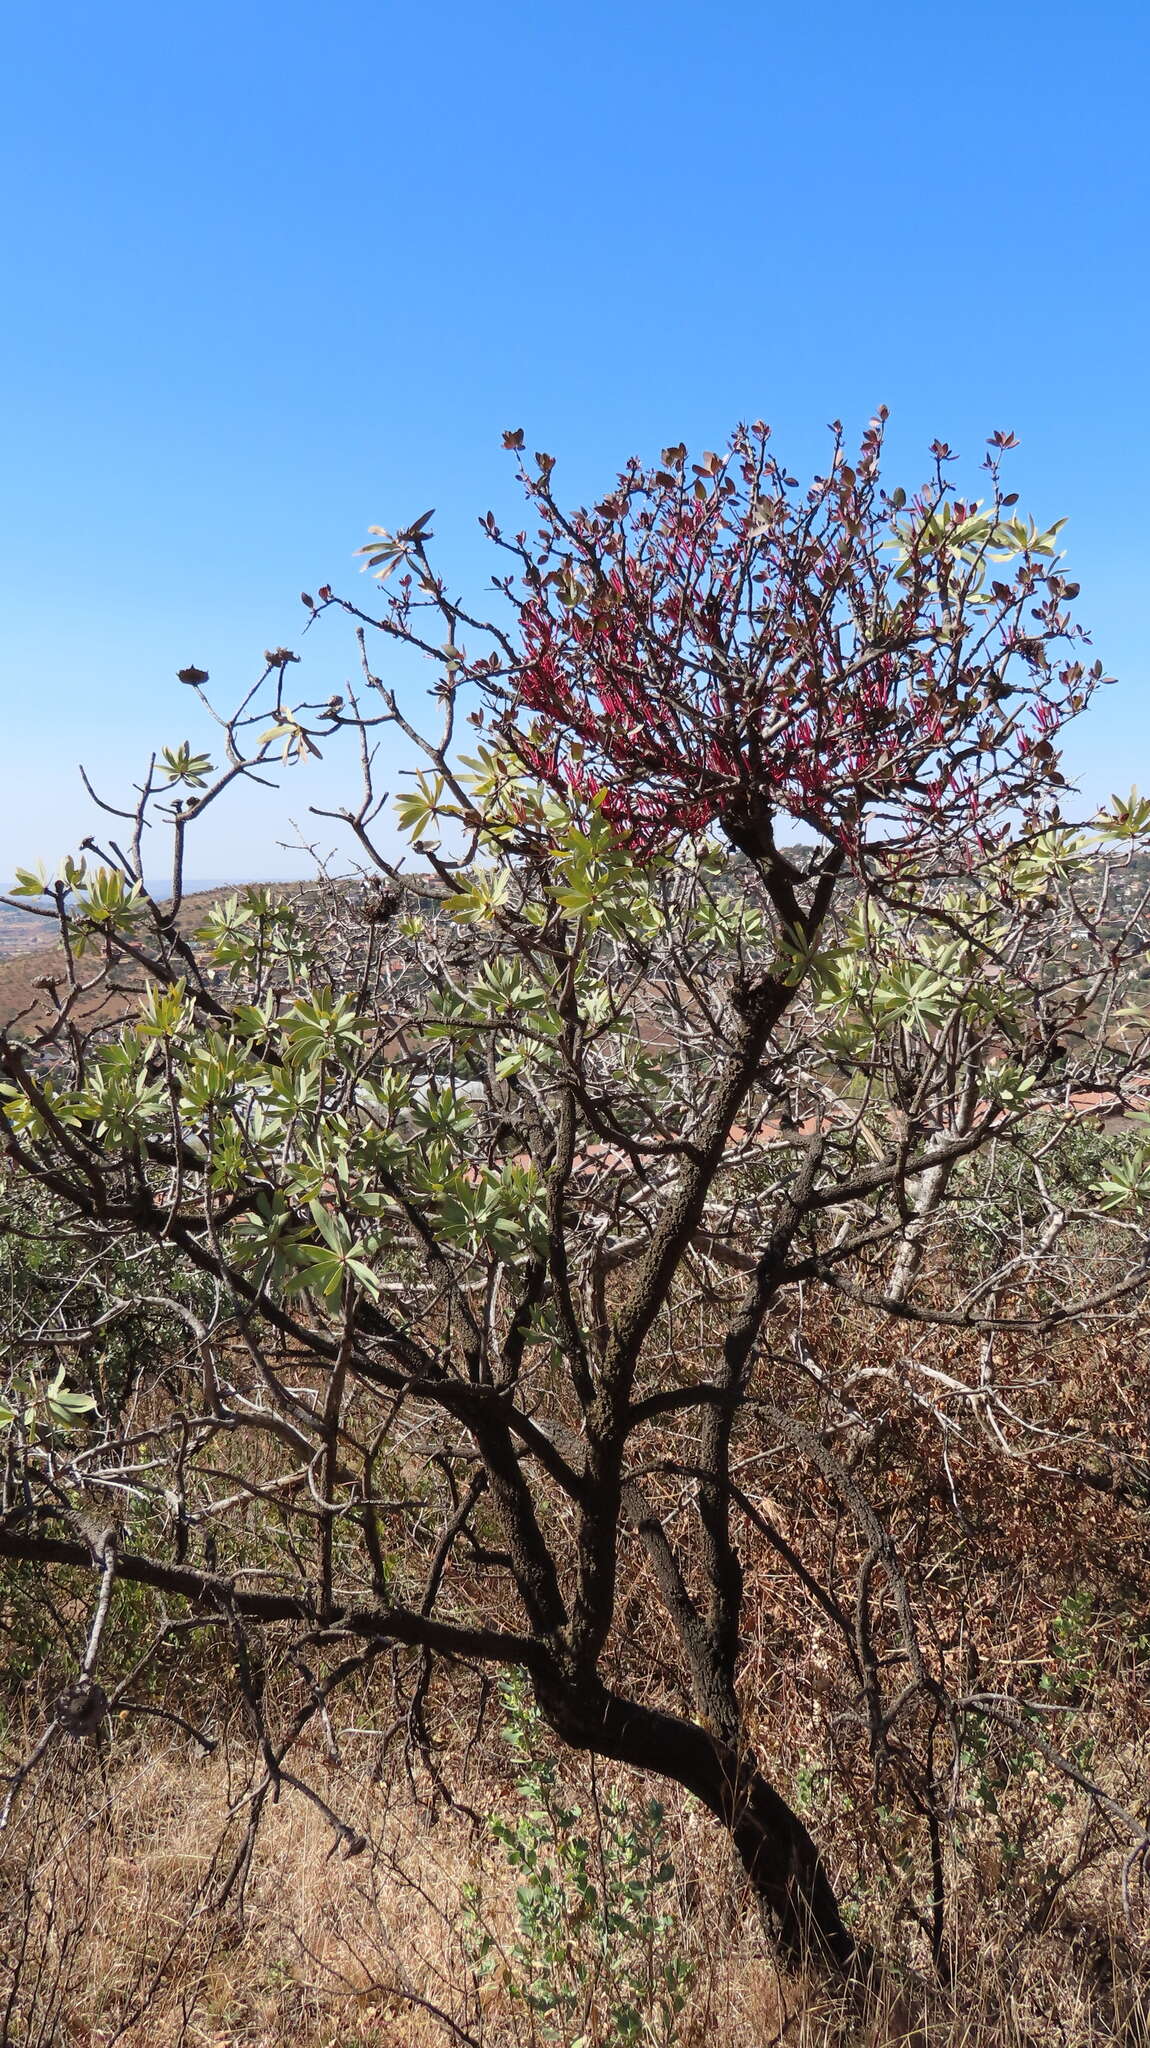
(1036, 1578)
(123, 1944)
(111, 1930)
(111, 1933)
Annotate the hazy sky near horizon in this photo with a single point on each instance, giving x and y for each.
(275, 273)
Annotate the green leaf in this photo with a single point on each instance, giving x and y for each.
(180, 764)
(31, 882)
(1126, 818)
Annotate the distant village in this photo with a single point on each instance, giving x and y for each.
(20, 930)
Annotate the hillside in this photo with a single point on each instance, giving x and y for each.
(21, 931)
(32, 961)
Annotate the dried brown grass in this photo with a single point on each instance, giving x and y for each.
(110, 1930)
(111, 1871)
(111, 1936)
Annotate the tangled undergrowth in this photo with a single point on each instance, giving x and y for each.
(499, 1890)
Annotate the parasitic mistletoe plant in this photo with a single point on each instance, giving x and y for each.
(569, 1205)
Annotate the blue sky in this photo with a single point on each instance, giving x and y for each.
(275, 273)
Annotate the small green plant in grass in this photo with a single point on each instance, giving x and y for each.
(596, 1954)
(1072, 1649)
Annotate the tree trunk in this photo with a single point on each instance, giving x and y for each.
(782, 1863)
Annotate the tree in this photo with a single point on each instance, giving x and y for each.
(513, 1179)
